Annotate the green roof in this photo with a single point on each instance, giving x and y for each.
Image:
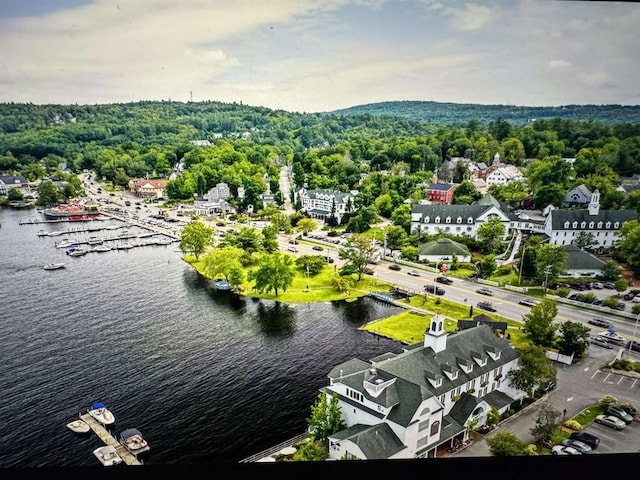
(444, 247)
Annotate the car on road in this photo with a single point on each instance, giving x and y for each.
(564, 450)
(488, 306)
(485, 291)
(445, 280)
(610, 421)
(601, 342)
(577, 444)
(633, 345)
(292, 249)
(547, 387)
(413, 273)
(587, 438)
(619, 413)
(293, 241)
(395, 267)
(317, 248)
(434, 289)
(527, 302)
(600, 322)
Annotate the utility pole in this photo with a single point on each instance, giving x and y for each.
(547, 271)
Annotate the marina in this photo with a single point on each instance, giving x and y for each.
(109, 440)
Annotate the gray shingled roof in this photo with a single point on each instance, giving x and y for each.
(442, 187)
(578, 259)
(444, 247)
(463, 408)
(560, 216)
(377, 442)
(498, 399)
(340, 197)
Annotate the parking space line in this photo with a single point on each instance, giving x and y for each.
(605, 378)
(594, 374)
(621, 378)
(634, 383)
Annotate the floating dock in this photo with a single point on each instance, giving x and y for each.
(108, 439)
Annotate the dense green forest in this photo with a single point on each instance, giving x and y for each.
(451, 113)
(387, 158)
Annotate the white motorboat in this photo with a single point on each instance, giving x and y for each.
(95, 241)
(78, 426)
(78, 252)
(101, 248)
(125, 246)
(132, 439)
(55, 233)
(101, 414)
(107, 456)
(54, 266)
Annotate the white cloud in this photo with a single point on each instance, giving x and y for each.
(558, 65)
(471, 16)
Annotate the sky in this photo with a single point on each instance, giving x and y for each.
(320, 55)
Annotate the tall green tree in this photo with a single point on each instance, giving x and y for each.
(539, 323)
(465, 193)
(610, 271)
(307, 225)
(574, 339)
(222, 261)
(195, 238)
(275, 273)
(326, 418)
(534, 369)
(506, 444)
(487, 265)
(627, 245)
(48, 193)
(490, 234)
(547, 422)
(552, 256)
(401, 217)
(358, 253)
(585, 240)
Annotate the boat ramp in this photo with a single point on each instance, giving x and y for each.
(108, 439)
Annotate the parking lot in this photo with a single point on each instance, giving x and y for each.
(626, 440)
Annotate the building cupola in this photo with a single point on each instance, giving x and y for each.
(436, 336)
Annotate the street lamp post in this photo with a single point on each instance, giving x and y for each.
(547, 271)
(634, 331)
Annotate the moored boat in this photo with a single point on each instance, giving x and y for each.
(78, 252)
(54, 266)
(55, 233)
(125, 246)
(95, 241)
(222, 285)
(132, 439)
(107, 455)
(78, 426)
(100, 412)
(101, 248)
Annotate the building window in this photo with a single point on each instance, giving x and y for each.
(459, 220)
(583, 225)
(355, 395)
(442, 398)
(590, 224)
(470, 220)
(599, 224)
(437, 219)
(608, 225)
(435, 428)
(575, 224)
(616, 225)
(566, 224)
(448, 220)
(423, 425)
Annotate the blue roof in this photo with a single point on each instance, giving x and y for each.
(98, 405)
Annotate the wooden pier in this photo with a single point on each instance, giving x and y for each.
(108, 439)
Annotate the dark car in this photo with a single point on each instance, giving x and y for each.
(600, 322)
(547, 387)
(434, 289)
(317, 248)
(587, 438)
(445, 280)
(395, 267)
(488, 306)
(330, 260)
(632, 345)
(619, 413)
(574, 296)
(620, 306)
(601, 342)
(484, 291)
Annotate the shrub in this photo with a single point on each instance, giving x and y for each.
(563, 292)
(503, 270)
(531, 450)
(629, 407)
(573, 425)
(608, 400)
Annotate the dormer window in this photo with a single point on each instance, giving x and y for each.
(437, 219)
(590, 224)
(470, 221)
(608, 225)
(583, 225)
(575, 225)
(435, 379)
(465, 365)
(448, 220)
(449, 371)
(566, 224)
(480, 359)
(427, 219)
(616, 225)
(459, 220)
(493, 352)
(599, 225)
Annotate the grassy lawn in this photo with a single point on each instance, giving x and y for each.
(584, 418)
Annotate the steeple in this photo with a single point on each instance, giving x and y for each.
(436, 336)
(594, 204)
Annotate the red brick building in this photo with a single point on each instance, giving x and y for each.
(440, 192)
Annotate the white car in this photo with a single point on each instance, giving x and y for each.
(292, 249)
(564, 450)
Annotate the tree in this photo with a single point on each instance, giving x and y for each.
(490, 234)
(401, 217)
(585, 240)
(15, 195)
(274, 272)
(506, 444)
(538, 323)
(465, 193)
(409, 253)
(222, 261)
(195, 237)
(358, 252)
(310, 452)
(534, 368)
(312, 264)
(552, 256)
(326, 418)
(548, 420)
(574, 339)
(627, 245)
(610, 271)
(396, 237)
(487, 266)
(621, 285)
(307, 225)
(48, 193)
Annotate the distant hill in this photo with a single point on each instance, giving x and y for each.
(451, 113)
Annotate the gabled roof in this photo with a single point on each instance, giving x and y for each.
(560, 216)
(578, 259)
(463, 408)
(377, 442)
(340, 197)
(13, 179)
(498, 399)
(443, 187)
(454, 211)
(444, 247)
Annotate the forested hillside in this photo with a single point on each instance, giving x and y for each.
(451, 113)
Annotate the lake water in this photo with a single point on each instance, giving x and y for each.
(206, 376)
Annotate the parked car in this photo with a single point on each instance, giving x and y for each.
(609, 285)
(619, 413)
(597, 285)
(629, 296)
(636, 299)
(601, 342)
(330, 260)
(293, 241)
(488, 306)
(547, 387)
(610, 421)
(600, 322)
(577, 444)
(445, 280)
(485, 291)
(527, 302)
(574, 296)
(434, 289)
(587, 438)
(292, 249)
(620, 306)
(413, 273)
(317, 248)
(633, 345)
(564, 450)
(395, 266)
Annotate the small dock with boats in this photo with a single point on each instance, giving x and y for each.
(108, 439)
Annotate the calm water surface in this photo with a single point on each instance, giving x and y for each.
(205, 376)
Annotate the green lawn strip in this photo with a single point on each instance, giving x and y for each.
(409, 327)
(584, 418)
